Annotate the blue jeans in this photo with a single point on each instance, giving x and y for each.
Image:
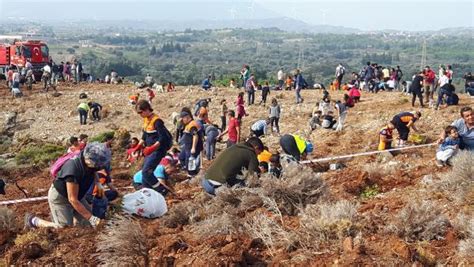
(251, 97)
(208, 187)
(82, 116)
(441, 94)
(211, 144)
(299, 99)
(280, 84)
(149, 166)
(470, 91)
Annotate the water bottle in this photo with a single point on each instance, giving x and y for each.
(191, 163)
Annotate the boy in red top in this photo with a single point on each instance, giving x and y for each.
(132, 152)
(151, 94)
(428, 83)
(354, 93)
(170, 87)
(233, 130)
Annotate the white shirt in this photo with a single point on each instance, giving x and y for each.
(47, 69)
(443, 80)
(280, 75)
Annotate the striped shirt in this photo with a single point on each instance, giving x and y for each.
(259, 125)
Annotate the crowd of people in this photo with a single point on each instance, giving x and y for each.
(82, 176)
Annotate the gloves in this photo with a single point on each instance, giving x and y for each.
(150, 149)
(94, 221)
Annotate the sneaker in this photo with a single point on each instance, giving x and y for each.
(439, 163)
(29, 221)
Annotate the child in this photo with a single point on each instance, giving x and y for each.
(386, 137)
(354, 93)
(151, 94)
(240, 107)
(328, 121)
(232, 83)
(83, 141)
(95, 109)
(263, 166)
(274, 167)
(325, 104)
(170, 87)
(133, 99)
(289, 82)
(211, 132)
(265, 92)
(275, 115)
(315, 121)
(348, 101)
(341, 114)
(133, 153)
(449, 147)
(224, 110)
(162, 173)
(74, 142)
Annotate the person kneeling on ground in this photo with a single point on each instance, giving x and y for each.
(259, 128)
(162, 172)
(449, 147)
(328, 121)
(386, 137)
(295, 147)
(66, 196)
(229, 164)
(315, 121)
(274, 167)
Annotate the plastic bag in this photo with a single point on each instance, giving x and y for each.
(145, 203)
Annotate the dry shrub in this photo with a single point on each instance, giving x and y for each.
(298, 187)
(270, 233)
(122, 242)
(466, 247)
(222, 224)
(464, 226)
(29, 237)
(459, 182)
(329, 221)
(7, 220)
(181, 214)
(420, 221)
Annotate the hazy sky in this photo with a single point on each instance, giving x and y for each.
(365, 15)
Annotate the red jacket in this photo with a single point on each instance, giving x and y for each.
(430, 76)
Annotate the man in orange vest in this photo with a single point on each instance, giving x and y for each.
(156, 140)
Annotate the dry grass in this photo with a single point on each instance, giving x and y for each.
(122, 242)
(29, 237)
(420, 221)
(299, 186)
(270, 233)
(464, 226)
(329, 221)
(459, 182)
(7, 220)
(181, 214)
(222, 224)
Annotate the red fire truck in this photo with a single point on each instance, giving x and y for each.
(17, 53)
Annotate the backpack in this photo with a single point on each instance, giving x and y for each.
(58, 164)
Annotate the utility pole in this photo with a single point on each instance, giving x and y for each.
(423, 55)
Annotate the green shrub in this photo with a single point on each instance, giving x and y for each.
(39, 154)
(370, 191)
(102, 137)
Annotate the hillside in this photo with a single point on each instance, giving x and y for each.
(376, 210)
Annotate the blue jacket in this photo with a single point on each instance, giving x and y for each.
(206, 83)
(449, 143)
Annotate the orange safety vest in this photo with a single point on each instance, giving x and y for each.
(192, 124)
(149, 123)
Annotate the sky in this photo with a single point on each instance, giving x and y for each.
(364, 15)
